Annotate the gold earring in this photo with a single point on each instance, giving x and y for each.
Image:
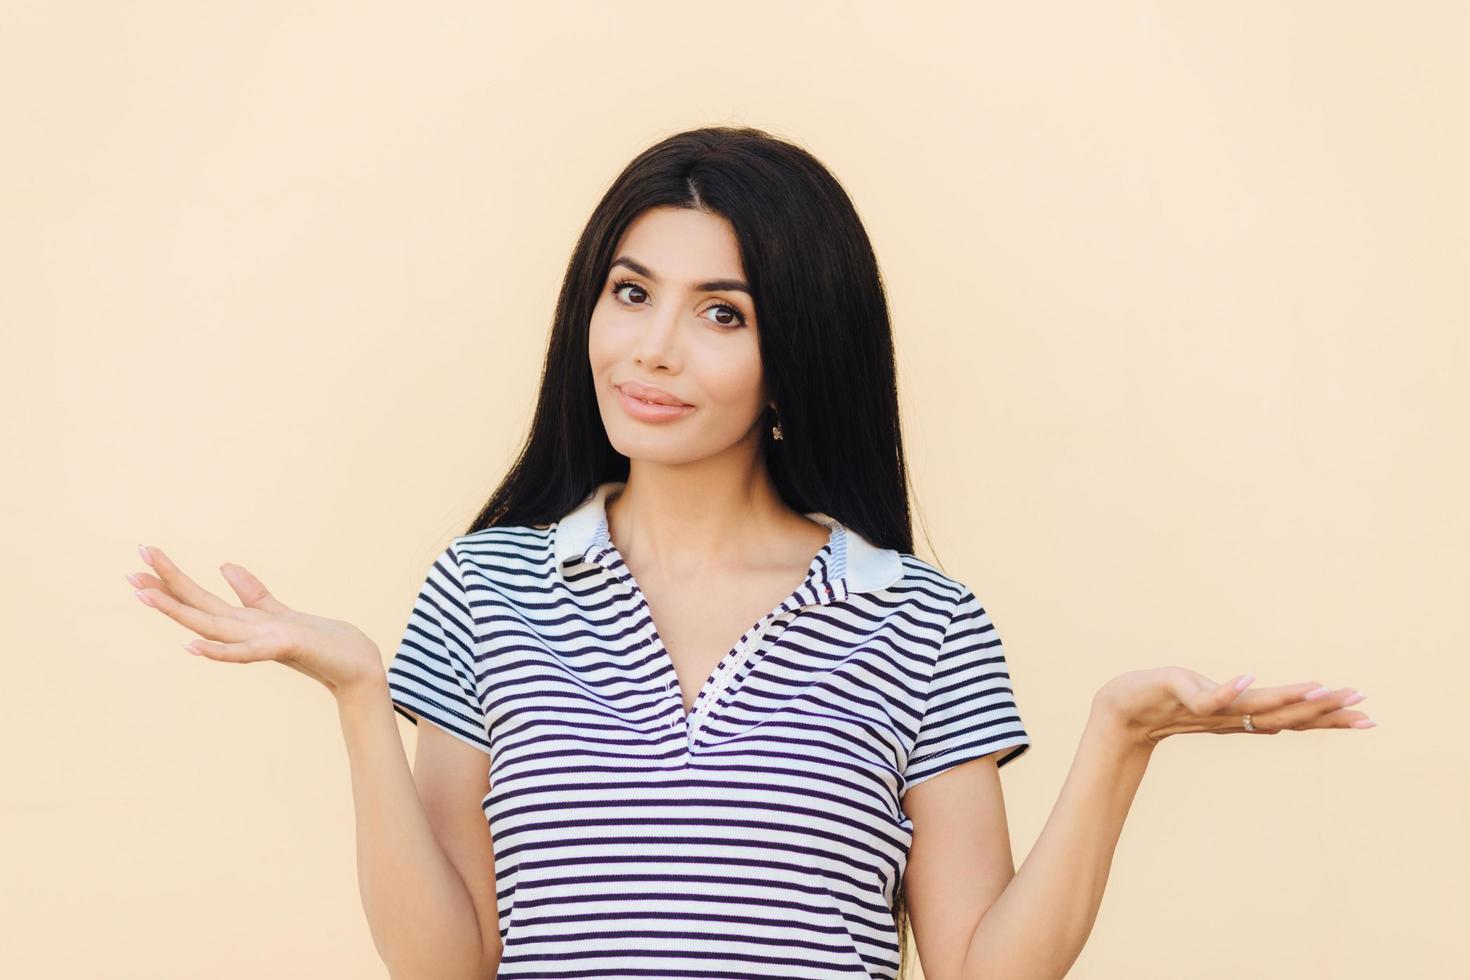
(776, 429)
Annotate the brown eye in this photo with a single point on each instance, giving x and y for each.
(735, 317)
(622, 284)
(739, 318)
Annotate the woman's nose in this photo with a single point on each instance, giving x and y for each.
(659, 338)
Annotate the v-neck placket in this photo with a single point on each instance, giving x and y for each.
(825, 582)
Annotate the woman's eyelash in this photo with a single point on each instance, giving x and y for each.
(620, 284)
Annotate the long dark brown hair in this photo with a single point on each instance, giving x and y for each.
(825, 343)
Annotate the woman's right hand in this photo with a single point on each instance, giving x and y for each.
(336, 654)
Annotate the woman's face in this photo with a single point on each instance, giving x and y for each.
(674, 315)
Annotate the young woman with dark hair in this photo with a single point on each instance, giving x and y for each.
(689, 687)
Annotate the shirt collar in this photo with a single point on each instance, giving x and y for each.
(867, 568)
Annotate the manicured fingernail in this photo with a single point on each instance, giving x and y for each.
(1354, 698)
(197, 653)
(133, 580)
(1244, 682)
(1314, 694)
(1364, 723)
(144, 598)
(143, 550)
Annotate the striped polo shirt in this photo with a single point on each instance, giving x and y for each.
(760, 835)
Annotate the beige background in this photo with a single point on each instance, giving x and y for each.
(1179, 297)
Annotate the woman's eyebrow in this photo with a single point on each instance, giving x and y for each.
(712, 286)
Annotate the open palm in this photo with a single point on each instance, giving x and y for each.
(1164, 701)
(334, 653)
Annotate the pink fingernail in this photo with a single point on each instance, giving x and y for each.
(144, 598)
(1244, 682)
(143, 550)
(1354, 698)
(1364, 723)
(1315, 693)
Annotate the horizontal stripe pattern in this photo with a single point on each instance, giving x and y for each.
(763, 835)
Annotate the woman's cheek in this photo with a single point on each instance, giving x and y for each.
(736, 388)
(600, 352)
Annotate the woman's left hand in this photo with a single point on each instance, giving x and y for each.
(1154, 704)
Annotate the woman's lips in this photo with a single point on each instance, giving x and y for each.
(649, 412)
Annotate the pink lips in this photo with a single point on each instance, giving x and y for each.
(649, 411)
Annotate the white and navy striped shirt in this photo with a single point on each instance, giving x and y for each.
(760, 836)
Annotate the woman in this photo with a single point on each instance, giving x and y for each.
(689, 688)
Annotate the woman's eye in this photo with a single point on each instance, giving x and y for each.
(739, 318)
(623, 284)
(734, 318)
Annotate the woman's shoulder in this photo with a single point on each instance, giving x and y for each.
(921, 577)
(511, 532)
(505, 552)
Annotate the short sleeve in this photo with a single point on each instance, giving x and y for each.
(970, 709)
(432, 674)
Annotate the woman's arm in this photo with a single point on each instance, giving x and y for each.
(1038, 925)
(419, 910)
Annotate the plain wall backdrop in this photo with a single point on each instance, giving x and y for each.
(1179, 298)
